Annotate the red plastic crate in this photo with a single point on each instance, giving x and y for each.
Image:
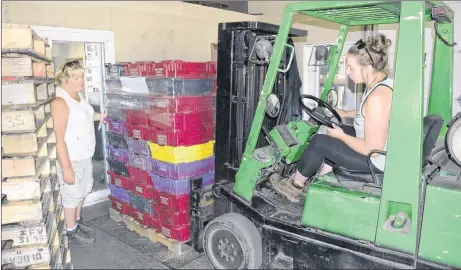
(139, 176)
(155, 224)
(182, 120)
(181, 69)
(145, 68)
(142, 217)
(136, 117)
(173, 218)
(138, 131)
(184, 104)
(182, 137)
(173, 202)
(144, 191)
(212, 68)
(181, 234)
(120, 181)
(121, 207)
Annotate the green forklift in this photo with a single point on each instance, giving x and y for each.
(408, 217)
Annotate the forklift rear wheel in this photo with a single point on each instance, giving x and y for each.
(232, 241)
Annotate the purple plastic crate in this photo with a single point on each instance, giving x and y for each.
(138, 146)
(118, 154)
(141, 204)
(116, 127)
(179, 187)
(141, 162)
(120, 193)
(183, 170)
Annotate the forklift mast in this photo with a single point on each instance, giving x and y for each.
(244, 51)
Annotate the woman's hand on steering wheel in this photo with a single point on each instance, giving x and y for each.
(335, 132)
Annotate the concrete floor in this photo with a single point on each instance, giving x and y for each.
(118, 248)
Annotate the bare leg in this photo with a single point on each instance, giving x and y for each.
(325, 169)
(69, 215)
(79, 210)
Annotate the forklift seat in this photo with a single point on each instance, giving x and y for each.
(431, 130)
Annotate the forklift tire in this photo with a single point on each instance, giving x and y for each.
(232, 241)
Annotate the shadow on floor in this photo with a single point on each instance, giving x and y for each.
(118, 248)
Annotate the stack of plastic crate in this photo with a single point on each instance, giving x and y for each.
(169, 133)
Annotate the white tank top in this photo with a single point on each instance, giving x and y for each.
(80, 135)
(359, 122)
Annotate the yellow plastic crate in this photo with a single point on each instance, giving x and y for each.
(181, 154)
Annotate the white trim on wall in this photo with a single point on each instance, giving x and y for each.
(79, 35)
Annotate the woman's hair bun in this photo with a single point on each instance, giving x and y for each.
(379, 44)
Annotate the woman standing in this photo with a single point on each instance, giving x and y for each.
(73, 120)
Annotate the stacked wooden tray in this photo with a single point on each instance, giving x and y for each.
(32, 214)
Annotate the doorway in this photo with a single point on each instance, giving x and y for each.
(92, 48)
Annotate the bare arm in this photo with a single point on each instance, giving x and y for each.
(347, 114)
(377, 110)
(97, 116)
(60, 114)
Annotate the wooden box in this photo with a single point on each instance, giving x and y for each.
(23, 93)
(21, 37)
(23, 67)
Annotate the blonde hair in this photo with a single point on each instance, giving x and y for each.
(67, 70)
(372, 52)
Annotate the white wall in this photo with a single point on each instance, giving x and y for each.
(391, 31)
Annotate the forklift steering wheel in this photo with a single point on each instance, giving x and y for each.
(319, 115)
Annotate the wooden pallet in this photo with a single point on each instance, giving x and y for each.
(149, 233)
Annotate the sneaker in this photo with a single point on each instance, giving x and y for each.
(285, 187)
(80, 236)
(86, 228)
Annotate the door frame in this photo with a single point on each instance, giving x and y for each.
(83, 35)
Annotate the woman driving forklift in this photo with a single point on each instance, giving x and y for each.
(348, 147)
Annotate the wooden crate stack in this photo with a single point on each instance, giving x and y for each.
(32, 214)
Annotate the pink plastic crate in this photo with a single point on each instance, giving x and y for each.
(141, 162)
(120, 181)
(181, 69)
(144, 191)
(145, 68)
(182, 120)
(182, 137)
(184, 104)
(173, 202)
(139, 176)
(142, 217)
(180, 233)
(173, 218)
(136, 117)
(120, 206)
(138, 131)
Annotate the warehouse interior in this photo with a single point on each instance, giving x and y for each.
(110, 38)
